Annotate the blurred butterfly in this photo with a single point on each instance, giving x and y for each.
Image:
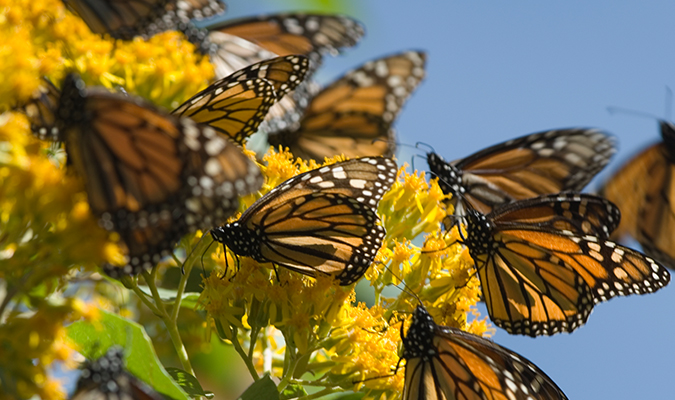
(448, 363)
(234, 106)
(106, 378)
(643, 189)
(353, 116)
(321, 222)
(239, 43)
(540, 163)
(237, 104)
(126, 19)
(543, 263)
(149, 176)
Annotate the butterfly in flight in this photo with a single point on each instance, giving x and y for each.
(540, 163)
(126, 19)
(106, 378)
(354, 114)
(644, 190)
(544, 262)
(236, 44)
(321, 222)
(149, 176)
(448, 363)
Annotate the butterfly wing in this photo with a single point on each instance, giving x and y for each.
(539, 281)
(246, 41)
(323, 221)
(582, 214)
(125, 19)
(107, 379)
(447, 363)
(540, 163)
(643, 190)
(40, 110)
(235, 106)
(150, 176)
(353, 116)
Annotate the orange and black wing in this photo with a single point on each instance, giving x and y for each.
(541, 281)
(40, 110)
(447, 363)
(125, 19)
(579, 213)
(643, 189)
(541, 163)
(353, 115)
(150, 176)
(323, 221)
(243, 42)
(236, 106)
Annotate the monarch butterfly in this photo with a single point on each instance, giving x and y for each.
(353, 112)
(540, 163)
(236, 44)
(448, 363)
(106, 378)
(323, 221)
(225, 105)
(125, 19)
(643, 190)
(150, 176)
(543, 263)
(234, 106)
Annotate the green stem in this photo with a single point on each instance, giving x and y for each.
(242, 354)
(321, 393)
(170, 325)
(289, 369)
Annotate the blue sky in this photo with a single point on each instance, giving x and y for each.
(497, 70)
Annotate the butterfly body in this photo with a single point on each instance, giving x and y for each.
(320, 222)
(447, 363)
(150, 176)
(544, 263)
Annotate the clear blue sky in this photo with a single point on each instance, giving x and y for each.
(501, 69)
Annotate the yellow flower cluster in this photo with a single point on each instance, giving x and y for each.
(325, 330)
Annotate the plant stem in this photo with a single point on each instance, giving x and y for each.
(242, 354)
(321, 393)
(199, 248)
(170, 325)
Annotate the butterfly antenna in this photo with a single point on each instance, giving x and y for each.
(428, 146)
(621, 110)
(669, 103)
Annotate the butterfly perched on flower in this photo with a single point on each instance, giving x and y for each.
(321, 222)
(643, 189)
(448, 363)
(543, 263)
(239, 43)
(106, 378)
(150, 176)
(354, 114)
(126, 19)
(540, 163)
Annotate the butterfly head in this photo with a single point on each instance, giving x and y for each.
(420, 335)
(449, 176)
(71, 102)
(235, 236)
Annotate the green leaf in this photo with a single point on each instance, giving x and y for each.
(140, 359)
(293, 391)
(263, 388)
(188, 300)
(344, 396)
(188, 382)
